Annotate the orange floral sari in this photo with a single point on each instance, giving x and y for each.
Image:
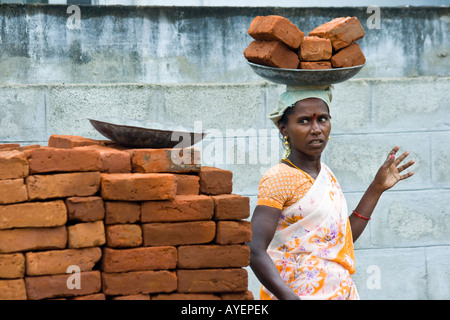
(313, 246)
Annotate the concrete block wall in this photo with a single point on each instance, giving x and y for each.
(84, 221)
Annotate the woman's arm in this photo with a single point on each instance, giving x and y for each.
(264, 223)
(387, 176)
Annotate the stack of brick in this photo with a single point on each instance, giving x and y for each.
(279, 43)
(85, 219)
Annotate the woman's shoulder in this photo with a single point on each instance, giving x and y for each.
(283, 171)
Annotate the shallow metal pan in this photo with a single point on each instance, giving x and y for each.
(146, 133)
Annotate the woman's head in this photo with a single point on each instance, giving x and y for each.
(306, 126)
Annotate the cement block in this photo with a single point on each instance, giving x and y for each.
(217, 106)
(407, 104)
(440, 159)
(383, 274)
(22, 113)
(412, 218)
(355, 159)
(350, 107)
(438, 272)
(71, 105)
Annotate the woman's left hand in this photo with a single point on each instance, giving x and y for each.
(389, 173)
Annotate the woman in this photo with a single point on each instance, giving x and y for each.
(302, 244)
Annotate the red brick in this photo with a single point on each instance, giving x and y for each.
(123, 235)
(57, 261)
(95, 296)
(215, 181)
(186, 296)
(86, 234)
(178, 233)
(122, 212)
(33, 214)
(138, 282)
(138, 186)
(187, 184)
(133, 297)
(46, 159)
(315, 49)
(13, 290)
(348, 57)
(9, 146)
(85, 209)
(63, 185)
(112, 160)
(315, 65)
(233, 232)
(139, 259)
(341, 31)
(13, 191)
(182, 208)
(276, 28)
(247, 295)
(12, 265)
(45, 287)
(213, 256)
(28, 239)
(70, 141)
(13, 165)
(231, 207)
(174, 160)
(212, 280)
(272, 54)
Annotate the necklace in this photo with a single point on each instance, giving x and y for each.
(289, 161)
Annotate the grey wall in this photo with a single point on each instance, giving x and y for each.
(160, 63)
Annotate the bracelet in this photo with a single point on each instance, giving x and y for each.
(362, 217)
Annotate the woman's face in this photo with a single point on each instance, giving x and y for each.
(308, 127)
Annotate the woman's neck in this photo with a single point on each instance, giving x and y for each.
(311, 165)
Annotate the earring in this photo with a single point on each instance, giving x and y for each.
(329, 138)
(287, 147)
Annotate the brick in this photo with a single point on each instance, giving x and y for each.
(186, 296)
(248, 295)
(112, 160)
(341, 31)
(233, 232)
(187, 184)
(45, 287)
(85, 209)
(138, 186)
(46, 159)
(348, 57)
(315, 49)
(215, 181)
(178, 233)
(13, 165)
(122, 212)
(139, 259)
(62, 185)
(13, 191)
(9, 146)
(33, 214)
(123, 235)
(315, 65)
(13, 290)
(139, 282)
(276, 28)
(57, 261)
(95, 296)
(213, 256)
(86, 234)
(231, 207)
(70, 141)
(133, 297)
(272, 54)
(182, 208)
(28, 239)
(12, 265)
(212, 280)
(173, 160)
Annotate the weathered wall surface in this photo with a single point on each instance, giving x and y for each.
(158, 63)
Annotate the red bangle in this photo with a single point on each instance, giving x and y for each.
(362, 217)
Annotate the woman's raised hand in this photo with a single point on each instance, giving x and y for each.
(390, 172)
